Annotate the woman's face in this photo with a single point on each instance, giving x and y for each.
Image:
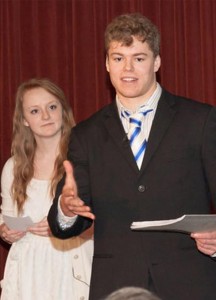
(42, 113)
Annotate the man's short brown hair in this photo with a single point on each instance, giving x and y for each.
(124, 27)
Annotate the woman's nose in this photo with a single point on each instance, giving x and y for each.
(45, 114)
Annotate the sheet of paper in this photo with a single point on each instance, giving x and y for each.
(186, 223)
(18, 223)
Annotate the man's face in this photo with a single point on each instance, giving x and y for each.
(132, 71)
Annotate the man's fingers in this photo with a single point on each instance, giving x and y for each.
(69, 179)
(70, 203)
(204, 235)
(69, 173)
(86, 215)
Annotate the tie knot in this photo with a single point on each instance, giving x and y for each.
(136, 118)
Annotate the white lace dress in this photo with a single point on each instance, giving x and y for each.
(43, 268)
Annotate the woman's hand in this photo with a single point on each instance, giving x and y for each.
(10, 236)
(41, 228)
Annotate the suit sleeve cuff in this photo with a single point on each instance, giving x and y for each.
(65, 222)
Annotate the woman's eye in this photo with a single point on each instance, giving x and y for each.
(34, 111)
(53, 107)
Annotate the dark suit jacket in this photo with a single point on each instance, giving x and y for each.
(178, 176)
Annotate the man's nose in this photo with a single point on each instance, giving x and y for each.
(129, 65)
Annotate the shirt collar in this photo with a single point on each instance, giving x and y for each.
(152, 102)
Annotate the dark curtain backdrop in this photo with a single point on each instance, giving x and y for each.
(63, 40)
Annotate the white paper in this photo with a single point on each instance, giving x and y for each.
(186, 223)
(18, 223)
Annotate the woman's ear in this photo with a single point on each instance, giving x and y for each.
(25, 123)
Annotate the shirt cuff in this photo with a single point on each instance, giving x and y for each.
(65, 222)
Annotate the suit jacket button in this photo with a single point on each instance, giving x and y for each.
(141, 188)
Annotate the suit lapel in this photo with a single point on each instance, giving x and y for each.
(165, 113)
(116, 131)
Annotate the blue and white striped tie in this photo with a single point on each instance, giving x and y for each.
(138, 142)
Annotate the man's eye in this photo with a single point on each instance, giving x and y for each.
(117, 59)
(140, 59)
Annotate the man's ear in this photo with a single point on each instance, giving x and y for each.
(107, 63)
(157, 63)
(25, 123)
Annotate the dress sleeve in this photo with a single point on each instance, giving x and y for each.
(7, 207)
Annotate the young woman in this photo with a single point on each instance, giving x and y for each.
(40, 266)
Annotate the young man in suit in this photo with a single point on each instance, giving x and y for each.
(131, 293)
(162, 168)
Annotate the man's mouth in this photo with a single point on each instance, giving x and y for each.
(129, 79)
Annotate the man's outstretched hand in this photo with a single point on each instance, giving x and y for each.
(70, 203)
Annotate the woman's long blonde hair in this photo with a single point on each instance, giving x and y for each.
(24, 144)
